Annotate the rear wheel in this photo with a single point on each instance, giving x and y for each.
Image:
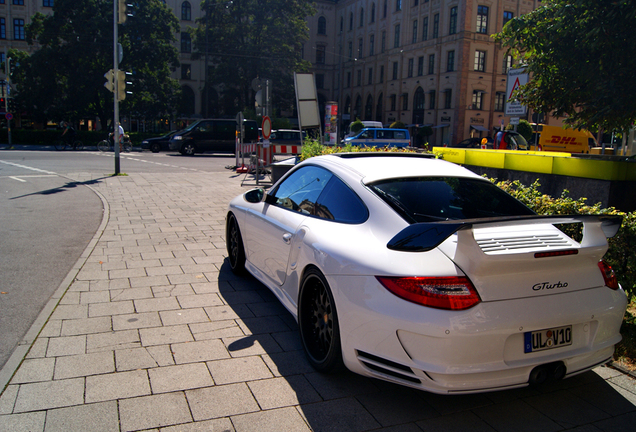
(103, 146)
(234, 244)
(318, 323)
(127, 146)
(78, 145)
(155, 147)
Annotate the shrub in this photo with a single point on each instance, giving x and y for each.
(312, 147)
(356, 126)
(397, 125)
(525, 129)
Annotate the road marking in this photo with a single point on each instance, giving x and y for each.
(27, 167)
(18, 179)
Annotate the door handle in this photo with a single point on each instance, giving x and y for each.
(287, 238)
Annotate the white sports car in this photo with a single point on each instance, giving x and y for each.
(417, 271)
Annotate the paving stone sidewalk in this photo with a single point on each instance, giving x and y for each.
(154, 333)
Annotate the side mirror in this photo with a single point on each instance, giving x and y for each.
(254, 196)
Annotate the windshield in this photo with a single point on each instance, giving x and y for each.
(426, 199)
(192, 126)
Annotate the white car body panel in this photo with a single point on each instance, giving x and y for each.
(442, 351)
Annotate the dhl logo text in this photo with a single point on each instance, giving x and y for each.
(563, 140)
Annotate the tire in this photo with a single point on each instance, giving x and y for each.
(127, 146)
(60, 145)
(155, 147)
(187, 149)
(318, 323)
(78, 145)
(234, 244)
(103, 146)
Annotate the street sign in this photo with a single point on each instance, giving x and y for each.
(266, 127)
(516, 79)
(8, 116)
(514, 121)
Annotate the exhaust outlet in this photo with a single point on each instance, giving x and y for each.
(547, 372)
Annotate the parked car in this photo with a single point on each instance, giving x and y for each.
(510, 140)
(473, 143)
(215, 135)
(380, 137)
(287, 137)
(157, 144)
(417, 271)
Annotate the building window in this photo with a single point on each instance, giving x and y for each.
(361, 17)
(416, 2)
(322, 26)
(360, 48)
(414, 39)
(435, 26)
(350, 50)
(448, 98)
(450, 61)
(372, 20)
(18, 2)
(351, 21)
(500, 101)
(507, 16)
(341, 24)
(507, 64)
(425, 28)
(3, 29)
(482, 19)
(378, 108)
(384, 9)
(45, 3)
(348, 83)
(395, 70)
(431, 64)
(359, 77)
(393, 102)
(398, 5)
(371, 44)
(431, 100)
(480, 61)
(370, 77)
(381, 74)
(405, 102)
(18, 29)
(186, 71)
(410, 67)
(452, 25)
(320, 81)
(396, 40)
(186, 11)
(478, 99)
(186, 42)
(383, 44)
(320, 54)
(420, 66)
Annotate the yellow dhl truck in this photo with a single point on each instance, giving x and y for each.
(558, 139)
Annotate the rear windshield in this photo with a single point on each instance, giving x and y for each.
(425, 199)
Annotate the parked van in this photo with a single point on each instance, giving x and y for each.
(558, 139)
(368, 124)
(381, 138)
(213, 135)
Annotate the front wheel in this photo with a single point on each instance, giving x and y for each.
(234, 244)
(188, 149)
(103, 146)
(60, 145)
(78, 145)
(318, 323)
(155, 147)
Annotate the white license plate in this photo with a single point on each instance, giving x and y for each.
(541, 340)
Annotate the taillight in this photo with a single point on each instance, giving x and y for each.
(453, 292)
(611, 281)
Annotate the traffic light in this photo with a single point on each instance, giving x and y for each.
(110, 83)
(122, 10)
(3, 103)
(13, 106)
(121, 84)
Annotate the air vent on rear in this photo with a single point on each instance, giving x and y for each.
(493, 245)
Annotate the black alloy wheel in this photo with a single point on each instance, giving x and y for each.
(234, 244)
(318, 323)
(188, 149)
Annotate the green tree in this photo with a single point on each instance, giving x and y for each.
(356, 126)
(579, 54)
(64, 78)
(525, 129)
(247, 39)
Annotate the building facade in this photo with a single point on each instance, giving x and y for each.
(420, 62)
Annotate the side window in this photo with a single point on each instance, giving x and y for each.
(205, 127)
(400, 135)
(300, 191)
(339, 203)
(366, 134)
(224, 130)
(381, 134)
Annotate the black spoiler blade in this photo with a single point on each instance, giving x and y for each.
(424, 236)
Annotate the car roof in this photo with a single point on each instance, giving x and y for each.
(374, 166)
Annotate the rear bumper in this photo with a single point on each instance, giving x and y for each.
(480, 349)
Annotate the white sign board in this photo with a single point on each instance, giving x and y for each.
(516, 78)
(514, 121)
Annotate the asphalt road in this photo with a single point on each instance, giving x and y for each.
(47, 220)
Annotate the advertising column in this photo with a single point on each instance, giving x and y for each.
(331, 123)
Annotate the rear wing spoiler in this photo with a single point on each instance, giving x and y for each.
(424, 236)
